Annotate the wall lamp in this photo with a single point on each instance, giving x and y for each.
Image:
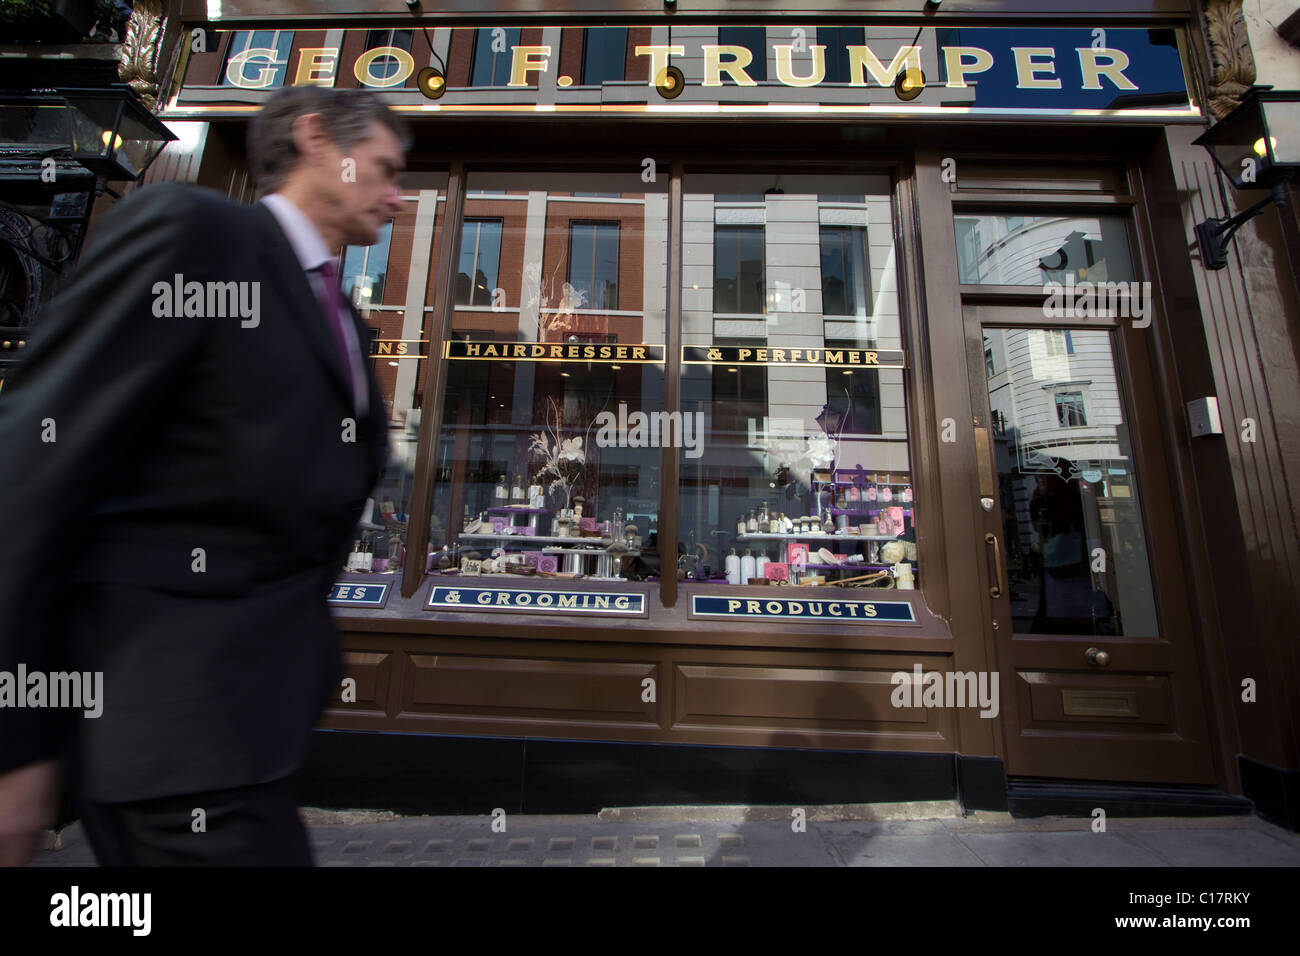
(1257, 146)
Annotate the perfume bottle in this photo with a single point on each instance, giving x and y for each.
(776, 524)
(354, 556)
(760, 565)
(741, 526)
(752, 524)
(733, 568)
(517, 490)
(828, 526)
(855, 493)
(747, 567)
(501, 493)
(886, 493)
(907, 493)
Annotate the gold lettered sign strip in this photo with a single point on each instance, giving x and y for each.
(813, 357)
(553, 352)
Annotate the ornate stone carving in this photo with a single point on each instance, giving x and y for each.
(1232, 63)
(140, 50)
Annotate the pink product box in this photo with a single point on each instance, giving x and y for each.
(527, 531)
(549, 563)
(500, 523)
(533, 558)
(776, 571)
(796, 552)
(587, 524)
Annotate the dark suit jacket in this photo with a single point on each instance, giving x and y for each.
(171, 435)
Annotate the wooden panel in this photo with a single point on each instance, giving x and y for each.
(373, 673)
(1139, 702)
(530, 688)
(765, 698)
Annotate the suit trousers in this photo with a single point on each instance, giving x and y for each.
(244, 826)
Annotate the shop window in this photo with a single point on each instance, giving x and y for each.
(1037, 250)
(365, 268)
(263, 70)
(480, 258)
(846, 277)
(738, 285)
(492, 55)
(593, 264)
(1057, 342)
(547, 461)
(604, 53)
(989, 369)
(837, 40)
(753, 39)
(803, 471)
(1069, 409)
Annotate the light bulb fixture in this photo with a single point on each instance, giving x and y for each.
(909, 84)
(670, 83)
(431, 82)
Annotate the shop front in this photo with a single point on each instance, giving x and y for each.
(782, 410)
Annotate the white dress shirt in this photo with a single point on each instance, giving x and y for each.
(310, 248)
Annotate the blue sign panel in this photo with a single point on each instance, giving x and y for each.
(802, 609)
(442, 598)
(357, 595)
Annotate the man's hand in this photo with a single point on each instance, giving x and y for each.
(29, 802)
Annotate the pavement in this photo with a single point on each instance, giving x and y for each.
(926, 834)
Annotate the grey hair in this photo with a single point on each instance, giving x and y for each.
(347, 116)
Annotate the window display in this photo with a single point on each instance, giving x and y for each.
(793, 358)
(548, 460)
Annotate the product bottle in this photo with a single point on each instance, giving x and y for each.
(465, 526)
(747, 567)
(517, 490)
(775, 524)
(760, 565)
(355, 555)
(752, 525)
(886, 491)
(501, 492)
(741, 526)
(828, 526)
(855, 493)
(872, 494)
(368, 557)
(788, 523)
(733, 568)
(907, 493)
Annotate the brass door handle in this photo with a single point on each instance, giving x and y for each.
(1096, 658)
(996, 571)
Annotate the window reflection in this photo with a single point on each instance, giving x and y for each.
(1076, 552)
(261, 70)
(1036, 250)
(492, 56)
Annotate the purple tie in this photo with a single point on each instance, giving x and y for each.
(334, 312)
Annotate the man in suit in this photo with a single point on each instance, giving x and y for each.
(187, 448)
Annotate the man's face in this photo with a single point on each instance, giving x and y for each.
(360, 185)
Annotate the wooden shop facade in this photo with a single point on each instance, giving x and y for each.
(799, 407)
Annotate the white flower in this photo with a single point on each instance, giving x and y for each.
(571, 450)
(820, 451)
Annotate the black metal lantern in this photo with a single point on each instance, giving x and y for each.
(1256, 146)
(108, 132)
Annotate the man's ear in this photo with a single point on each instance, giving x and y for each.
(309, 138)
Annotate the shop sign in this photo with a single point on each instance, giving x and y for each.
(819, 609)
(343, 594)
(552, 352)
(796, 69)
(527, 601)
(812, 357)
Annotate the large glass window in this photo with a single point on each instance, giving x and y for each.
(548, 458)
(393, 285)
(796, 374)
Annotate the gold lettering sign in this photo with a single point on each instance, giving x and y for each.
(636, 354)
(398, 348)
(809, 357)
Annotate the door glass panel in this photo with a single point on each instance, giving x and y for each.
(1075, 550)
(1037, 250)
(793, 371)
(545, 466)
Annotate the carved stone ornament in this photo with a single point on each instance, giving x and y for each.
(1232, 63)
(140, 49)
